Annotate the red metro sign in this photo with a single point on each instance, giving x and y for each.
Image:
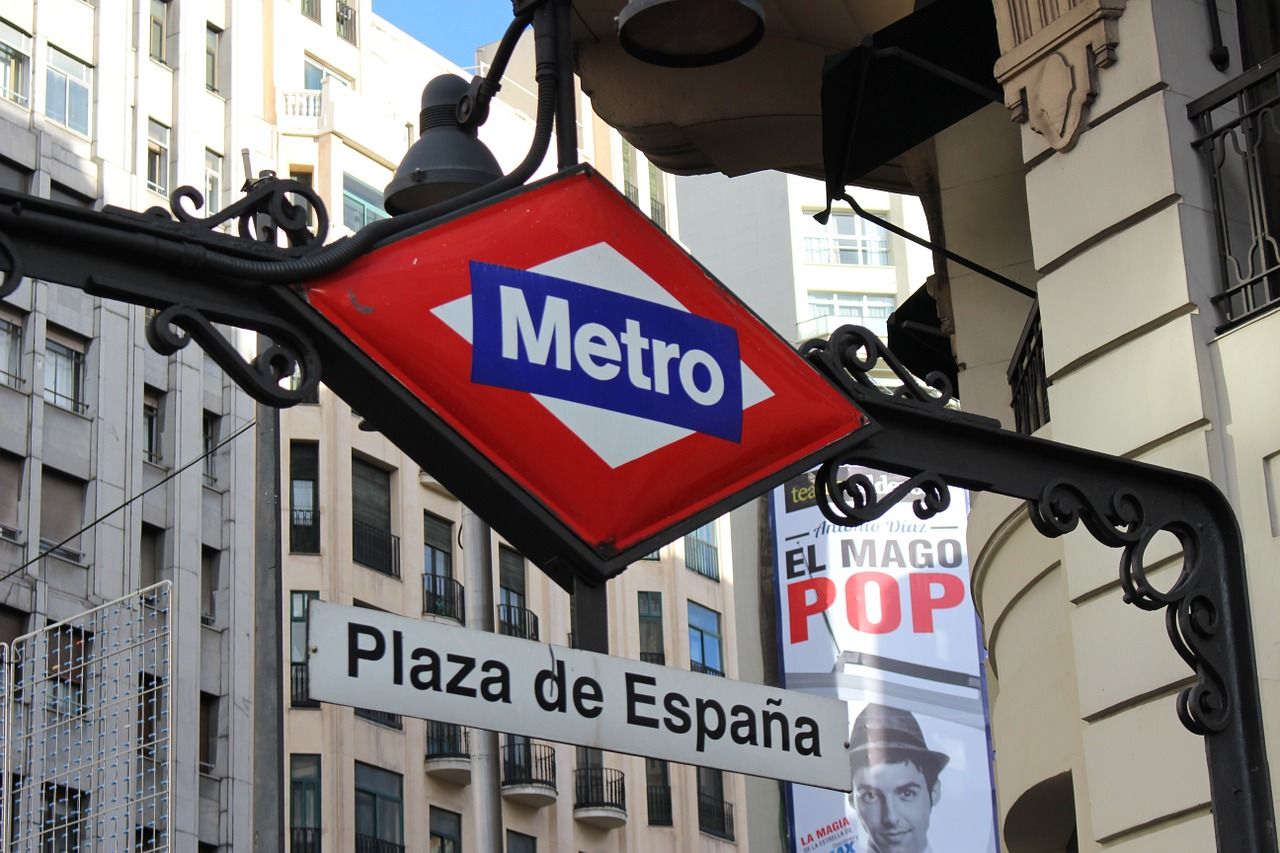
(575, 346)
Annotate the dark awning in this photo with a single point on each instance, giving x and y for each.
(916, 338)
(904, 84)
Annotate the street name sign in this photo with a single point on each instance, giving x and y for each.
(558, 335)
(371, 659)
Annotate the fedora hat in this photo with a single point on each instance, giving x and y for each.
(885, 734)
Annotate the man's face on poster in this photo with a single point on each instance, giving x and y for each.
(894, 802)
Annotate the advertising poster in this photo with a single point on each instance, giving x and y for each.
(880, 616)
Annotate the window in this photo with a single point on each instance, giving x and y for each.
(64, 373)
(715, 816)
(446, 832)
(438, 546)
(304, 803)
(151, 426)
(379, 809)
(652, 648)
(304, 177)
(518, 842)
(157, 157)
(150, 555)
(347, 22)
(212, 54)
(314, 74)
(658, 782)
(373, 543)
(10, 352)
(210, 584)
(304, 513)
(701, 553)
(11, 468)
(210, 427)
(151, 729)
(159, 29)
(208, 732)
(299, 682)
(311, 8)
(657, 197)
(212, 181)
(859, 309)
(630, 187)
(15, 64)
(67, 99)
(64, 809)
(361, 203)
(704, 640)
(514, 619)
(61, 514)
(66, 659)
(846, 239)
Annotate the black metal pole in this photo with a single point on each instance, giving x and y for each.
(566, 92)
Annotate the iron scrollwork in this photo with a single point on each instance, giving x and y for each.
(269, 204)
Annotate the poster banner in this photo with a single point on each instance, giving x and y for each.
(880, 616)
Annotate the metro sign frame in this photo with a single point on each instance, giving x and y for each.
(422, 308)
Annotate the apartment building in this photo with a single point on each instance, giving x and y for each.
(120, 102)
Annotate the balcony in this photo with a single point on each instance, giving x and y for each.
(382, 718)
(659, 797)
(304, 839)
(371, 844)
(1239, 141)
(300, 687)
(529, 773)
(448, 753)
(654, 657)
(715, 817)
(1027, 381)
(698, 666)
(600, 797)
(304, 531)
(347, 29)
(517, 622)
(375, 548)
(702, 556)
(444, 597)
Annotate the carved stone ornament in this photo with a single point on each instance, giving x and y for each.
(1052, 53)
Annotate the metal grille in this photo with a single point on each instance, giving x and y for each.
(86, 731)
(1028, 384)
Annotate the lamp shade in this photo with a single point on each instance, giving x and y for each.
(690, 33)
(447, 159)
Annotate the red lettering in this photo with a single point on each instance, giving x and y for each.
(923, 601)
(801, 608)
(855, 595)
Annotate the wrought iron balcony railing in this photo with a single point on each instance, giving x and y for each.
(599, 787)
(442, 596)
(382, 718)
(1027, 380)
(528, 763)
(304, 531)
(702, 557)
(654, 657)
(376, 548)
(447, 740)
(698, 666)
(347, 22)
(372, 844)
(659, 797)
(715, 817)
(1239, 139)
(517, 622)
(300, 687)
(304, 839)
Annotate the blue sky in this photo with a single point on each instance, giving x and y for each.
(455, 28)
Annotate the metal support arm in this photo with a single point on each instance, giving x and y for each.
(1124, 504)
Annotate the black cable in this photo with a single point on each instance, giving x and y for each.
(112, 512)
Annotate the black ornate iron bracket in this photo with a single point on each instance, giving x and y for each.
(1124, 504)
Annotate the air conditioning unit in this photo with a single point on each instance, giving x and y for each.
(10, 534)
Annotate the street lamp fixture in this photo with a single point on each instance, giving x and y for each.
(690, 33)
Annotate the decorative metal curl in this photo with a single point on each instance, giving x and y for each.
(853, 500)
(1062, 506)
(850, 354)
(12, 266)
(1204, 707)
(289, 352)
(265, 204)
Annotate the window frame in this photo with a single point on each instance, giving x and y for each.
(305, 787)
(159, 140)
(60, 354)
(15, 64)
(158, 30)
(72, 77)
(212, 58)
(705, 633)
(11, 351)
(847, 239)
(437, 545)
(362, 199)
(379, 797)
(213, 172)
(449, 837)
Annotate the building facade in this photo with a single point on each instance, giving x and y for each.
(120, 467)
